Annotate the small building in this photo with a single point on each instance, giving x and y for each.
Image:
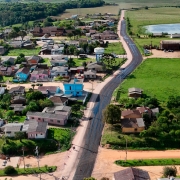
(49, 90)
(11, 128)
(98, 67)
(131, 174)
(6, 71)
(56, 51)
(145, 110)
(57, 110)
(75, 70)
(33, 60)
(17, 108)
(90, 74)
(17, 90)
(2, 90)
(132, 125)
(135, 92)
(2, 50)
(54, 119)
(35, 129)
(22, 74)
(40, 75)
(8, 61)
(19, 99)
(155, 111)
(59, 71)
(59, 100)
(129, 114)
(175, 35)
(74, 87)
(170, 44)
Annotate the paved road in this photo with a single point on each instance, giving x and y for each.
(87, 149)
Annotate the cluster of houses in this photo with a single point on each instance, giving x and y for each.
(36, 123)
(132, 120)
(35, 71)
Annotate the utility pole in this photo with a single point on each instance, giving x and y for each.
(23, 156)
(126, 149)
(37, 153)
(151, 47)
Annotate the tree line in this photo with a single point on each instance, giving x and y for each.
(13, 13)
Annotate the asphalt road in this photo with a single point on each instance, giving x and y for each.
(89, 149)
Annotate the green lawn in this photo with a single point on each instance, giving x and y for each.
(79, 61)
(31, 170)
(19, 118)
(63, 136)
(157, 77)
(46, 61)
(5, 78)
(116, 48)
(148, 162)
(26, 52)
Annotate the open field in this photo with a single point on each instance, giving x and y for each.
(157, 77)
(79, 61)
(116, 48)
(148, 162)
(26, 52)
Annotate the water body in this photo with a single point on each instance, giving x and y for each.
(165, 28)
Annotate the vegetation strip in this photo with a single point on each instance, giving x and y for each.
(148, 162)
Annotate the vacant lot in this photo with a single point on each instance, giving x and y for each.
(26, 52)
(158, 77)
(79, 61)
(116, 48)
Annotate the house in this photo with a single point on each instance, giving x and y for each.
(40, 75)
(19, 99)
(17, 108)
(6, 71)
(145, 110)
(45, 50)
(57, 50)
(74, 87)
(11, 128)
(35, 129)
(132, 125)
(155, 111)
(75, 70)
(59, 60)
(17, 90)
(128, 114)
(2, 50)
(59, 71)
(131, 174)
(22, 74)
(8, 60)
(57, 110)
(2, 90)
(170, 44)
(90, 74)
(175, 35)
(49, 90)
(135, 92)
(33, 60)
(55, 119)
(99, 67)
(59, 100)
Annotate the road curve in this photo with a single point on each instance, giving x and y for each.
(81, 160)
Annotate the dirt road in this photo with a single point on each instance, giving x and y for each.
(105, 167)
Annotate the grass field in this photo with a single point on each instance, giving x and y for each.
(46, 61)
(116, 48)
(148, 162)
(79, 61)
(5, 78)
(26, 52)
(158, 77)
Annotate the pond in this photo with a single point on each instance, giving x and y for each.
(165, 28)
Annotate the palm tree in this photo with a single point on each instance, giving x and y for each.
(33, 85)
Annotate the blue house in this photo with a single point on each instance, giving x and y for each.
(74, 87)
(22, 75)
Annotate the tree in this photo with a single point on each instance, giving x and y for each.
(84, 64)
(104, 178)
(70, 35)
(10, 170)
(34, 96)
(76, 53)
(33, 85)
(19, 135)
(33, 106)
(9, 114)
(108, 59)
(22, 34)
(169, 171)
(45, 103)
(89, 178)
(111, 114)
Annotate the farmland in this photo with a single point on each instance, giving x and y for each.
(157, 77)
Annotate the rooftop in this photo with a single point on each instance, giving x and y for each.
(57, 108)
(58, 99)
(17, 88)
(132, 123)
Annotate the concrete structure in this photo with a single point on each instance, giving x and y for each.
(49, 90)
(59, 71)
(22, 74)
(40, 75)
(99, 51)
(74, 87)
(170, 44)
(17, 90)
(90, 74)
(135, 92)
(175, 36)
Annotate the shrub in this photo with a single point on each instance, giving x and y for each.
(169, 171)
(10, 170)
